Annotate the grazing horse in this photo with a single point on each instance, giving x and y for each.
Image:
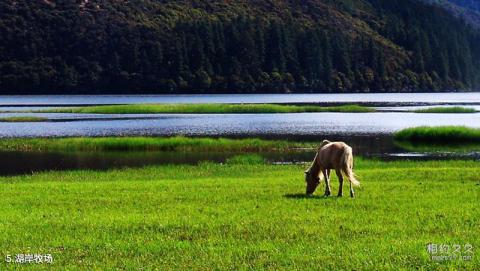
(331, 155)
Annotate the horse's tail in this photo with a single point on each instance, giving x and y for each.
(347, 166)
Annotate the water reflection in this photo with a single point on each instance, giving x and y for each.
(379, 146)
(13, 163)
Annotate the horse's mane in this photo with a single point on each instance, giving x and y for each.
(315, 168)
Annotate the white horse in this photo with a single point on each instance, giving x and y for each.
(331, 155)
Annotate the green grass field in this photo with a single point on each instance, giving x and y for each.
(439, 134)
(23, 119)
(206, 109)
(453, 109)
(241, 215)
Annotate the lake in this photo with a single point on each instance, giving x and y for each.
(391, 119)
(320, 124)
(369, 133)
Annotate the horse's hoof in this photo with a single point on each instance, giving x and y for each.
(340, 195)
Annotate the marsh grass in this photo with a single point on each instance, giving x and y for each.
(454, 109)
(149, 144)
(246, 159)
(23, 119)
(439, 135)
(206, 109)
(241, 215)
(433, 147)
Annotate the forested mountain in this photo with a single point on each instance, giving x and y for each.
(198, 46)
(466, 9)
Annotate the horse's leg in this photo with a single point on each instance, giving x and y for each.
(340, 180)
(326, 172)
(352, 193)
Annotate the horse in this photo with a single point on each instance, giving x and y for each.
(331, 155)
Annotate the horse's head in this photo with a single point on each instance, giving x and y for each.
(312, 182)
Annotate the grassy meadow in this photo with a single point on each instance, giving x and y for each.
(243, 214)
(206, 109)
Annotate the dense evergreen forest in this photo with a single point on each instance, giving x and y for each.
(200, 46)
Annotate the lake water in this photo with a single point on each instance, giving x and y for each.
(392, 119)
(320, 124)
(368, 133)
(375, 98)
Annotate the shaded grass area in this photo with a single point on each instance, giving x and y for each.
(206, 109)
(454, 109)
(23, 119)
(148, 144)
(439, 135)
(242, 215)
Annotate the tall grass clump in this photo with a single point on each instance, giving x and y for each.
(178, 143)
(440, 134)
(206, 109)
(455, 109)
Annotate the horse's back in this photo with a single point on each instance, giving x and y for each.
(331, 154)
(335, 146)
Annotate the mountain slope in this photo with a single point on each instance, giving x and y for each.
(466, 9)
(153, 46)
